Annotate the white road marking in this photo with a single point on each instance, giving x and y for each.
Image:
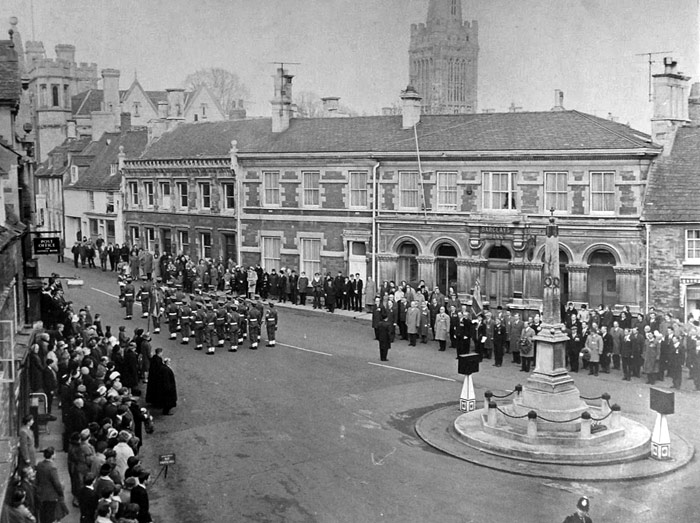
(305, 350)
(411, 371)
(113, 295)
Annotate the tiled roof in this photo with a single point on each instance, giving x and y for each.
(530, 131)
(72, 146)
(97, 176)
(84, 103)
(672, 190)
(10, 82)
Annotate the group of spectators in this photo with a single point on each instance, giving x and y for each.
(99, 381)
(655, 345)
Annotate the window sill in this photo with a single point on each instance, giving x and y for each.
(691, 263)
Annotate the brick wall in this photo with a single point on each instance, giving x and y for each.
(666, 254)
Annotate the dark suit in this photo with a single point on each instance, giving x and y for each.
(384, 335)
(87, 498)
(49, 490)
(139, 495)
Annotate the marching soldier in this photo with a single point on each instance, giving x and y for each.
(129, 293)
(254, 318)
(242, 322)
(185, 322)
(156, 304)
(271, 323)
(233, 319)
(199, 319)
(220, 324)
(145, 295)
(172, 311)
(210, 329)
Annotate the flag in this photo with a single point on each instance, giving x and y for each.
(477, 305)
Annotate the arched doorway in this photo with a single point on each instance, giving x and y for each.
(498, 276)
(563, 275)
(602, 286)
(407, 264)
(446, 267)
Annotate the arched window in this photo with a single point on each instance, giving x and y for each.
(407, 263)
(602, 282)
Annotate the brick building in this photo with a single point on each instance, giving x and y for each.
(462, 199)
(443, 59)
(671, 213)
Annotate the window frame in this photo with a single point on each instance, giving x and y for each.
(183, 199)
(204, 197)
(91, 200)
(360, 190)
(556, 194)
(149, 192)
(310, 266)
(447, 190)
(150, 238)
(203, 246)
(229, 201)
(602, 192)
(696, 248)
(134, 193)
(405, 192)
(487, 192)
(135, 235)
(311, 195)
(275, 190)
(274, 261)
(166, 204)
(183, 245)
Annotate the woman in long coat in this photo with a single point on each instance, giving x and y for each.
(168, 389)
(652, 352)
(442, 328)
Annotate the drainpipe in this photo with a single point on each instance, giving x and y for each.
(375, 208)
(646, 292)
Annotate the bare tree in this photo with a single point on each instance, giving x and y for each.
(226, 86)
(309, 105)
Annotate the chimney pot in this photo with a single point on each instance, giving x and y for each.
(410, 107)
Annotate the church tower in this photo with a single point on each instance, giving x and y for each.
(443, 57)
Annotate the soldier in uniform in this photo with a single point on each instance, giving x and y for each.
(254, 318)
(233, 319)
(220, 324)
(242, 322)
(156, 304)
(129, 294)
(271, 324)
(581, 514)
(186, 322)
(172, 312)
(145, 295)
(210, 329)
(199, 318)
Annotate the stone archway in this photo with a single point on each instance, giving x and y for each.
(446, 267)
(602, 282)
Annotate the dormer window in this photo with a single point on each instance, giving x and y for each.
(73, 173)
(113, 169)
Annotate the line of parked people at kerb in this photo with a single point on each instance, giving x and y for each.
(98, 382)
(653, 345)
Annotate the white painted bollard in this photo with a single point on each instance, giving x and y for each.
(586, 425)
(605, 404)
(492, 418)
(616, 417)
(532, 424)
(467, 399)
(661, 439)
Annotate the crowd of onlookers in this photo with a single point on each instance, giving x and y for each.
(99, 380)
(654, 345)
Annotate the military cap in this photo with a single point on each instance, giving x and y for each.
(583, 504)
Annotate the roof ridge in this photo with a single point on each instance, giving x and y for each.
(85, 98)
(590, 118)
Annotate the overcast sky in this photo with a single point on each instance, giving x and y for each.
(358, 49)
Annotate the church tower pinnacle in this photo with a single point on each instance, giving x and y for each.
(443, 57)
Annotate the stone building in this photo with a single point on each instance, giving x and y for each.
(443, 59)
(671, 213)
(354, 195)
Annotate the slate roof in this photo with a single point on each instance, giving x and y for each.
(103, 153)
(69, 146)
(674, 181)
(10, 82)
(530, 131)
(82, 104)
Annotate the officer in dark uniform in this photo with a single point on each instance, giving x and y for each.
(145, 295)
(581, 514)
(129, 295)
(271, 324)
(210, 329)
(156, 304)
(199, 319)
(185, 322)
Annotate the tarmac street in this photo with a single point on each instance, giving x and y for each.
(316, 429)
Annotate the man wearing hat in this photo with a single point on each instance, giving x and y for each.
(271, 324)
(581, 514)
(254, 318)
(49, 491)
(156, 304)
(198, 316)
(129, 294)
(185, 322)
(172, 312)
(210, 328)
(233, 318)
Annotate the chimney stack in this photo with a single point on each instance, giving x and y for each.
(72, 131)
(65, 53)
(110, 90)
(694, 104)
(125, 122)
(282, 102)
(330, 105)
(162, 110)
(410, 107)
(176, 103)
(558, 100)
(670, 104)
